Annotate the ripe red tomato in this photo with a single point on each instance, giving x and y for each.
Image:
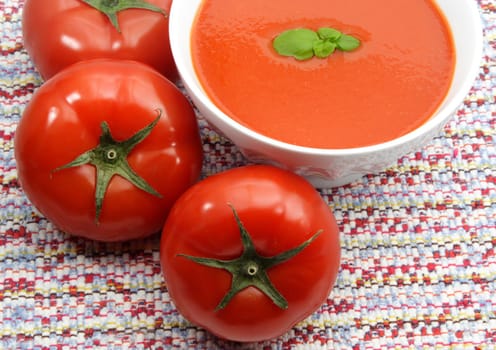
(58, 33)
(252, 279)
(101, 118)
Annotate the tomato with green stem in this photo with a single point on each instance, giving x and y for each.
(249, 252)
(58, 33)
(105, 147)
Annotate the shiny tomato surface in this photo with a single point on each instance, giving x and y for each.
(279, 210)
(65, 119)
(58, 33)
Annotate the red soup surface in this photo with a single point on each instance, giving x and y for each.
(387, 87)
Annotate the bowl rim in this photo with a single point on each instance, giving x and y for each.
(436, 120)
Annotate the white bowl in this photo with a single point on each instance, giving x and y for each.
(333, 167)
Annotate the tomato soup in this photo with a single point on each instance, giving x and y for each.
(389, 86)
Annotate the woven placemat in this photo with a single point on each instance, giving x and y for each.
(418, 267)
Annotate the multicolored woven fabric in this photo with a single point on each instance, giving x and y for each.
(419, 245)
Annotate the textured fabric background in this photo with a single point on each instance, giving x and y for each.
(418, 268)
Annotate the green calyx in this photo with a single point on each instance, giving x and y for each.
(110, 158)
(250, 268)
(110, 8)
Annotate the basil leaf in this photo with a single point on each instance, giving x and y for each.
(297, 43)
(329, 34)
(303, 43)
(323, 48)
(348, 43)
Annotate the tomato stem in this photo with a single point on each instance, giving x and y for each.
(109, 158)
(110, 8)
(250, 268)
(111, 154)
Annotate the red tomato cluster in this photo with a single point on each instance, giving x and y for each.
(109, 148)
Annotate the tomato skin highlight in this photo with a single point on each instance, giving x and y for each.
(280, 210)
(58, 33)
(63, 120)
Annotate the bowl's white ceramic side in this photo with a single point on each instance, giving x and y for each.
(334, 167)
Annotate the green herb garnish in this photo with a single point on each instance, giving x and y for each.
(303, 43)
